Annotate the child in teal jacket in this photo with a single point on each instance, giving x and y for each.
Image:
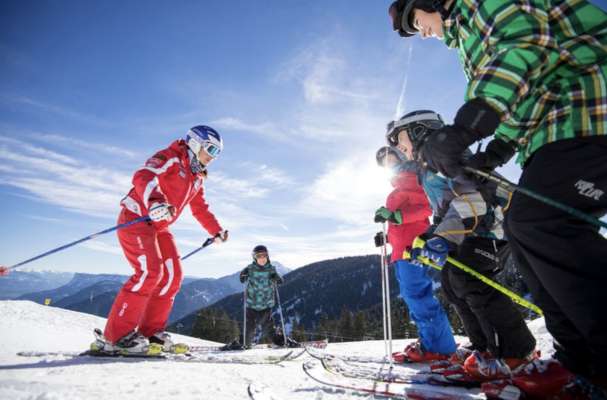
(261, 278)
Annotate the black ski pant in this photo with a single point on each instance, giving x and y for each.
(491, 320)
(264, 319)
(562, 258)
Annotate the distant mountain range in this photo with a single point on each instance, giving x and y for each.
(18, 283)
(320, 288)
(328, 287)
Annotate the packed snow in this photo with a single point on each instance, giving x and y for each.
(27, 326)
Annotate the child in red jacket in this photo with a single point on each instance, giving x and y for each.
(407, 211)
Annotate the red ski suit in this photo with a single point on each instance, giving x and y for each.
(146, 299)
(408, 197)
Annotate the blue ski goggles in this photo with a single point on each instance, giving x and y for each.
(211, 149)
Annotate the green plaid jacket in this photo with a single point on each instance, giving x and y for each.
(542, 64)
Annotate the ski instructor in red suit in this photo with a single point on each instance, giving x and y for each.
(170, 180)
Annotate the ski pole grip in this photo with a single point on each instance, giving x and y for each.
(379, 239)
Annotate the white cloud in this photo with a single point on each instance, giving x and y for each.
(324, 83)
(61, 180)
(80, 175)
(325, 74)
(100, 246)
(267, 129)
(44, 219)
(54, 109)
(268, 174)
(81, 144)
(38, 151)
(340, 101)
(349, 191)
(69, 196)
(242, 188)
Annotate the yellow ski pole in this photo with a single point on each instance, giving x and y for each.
(418, 242)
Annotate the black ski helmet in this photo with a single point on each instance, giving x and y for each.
(383, 152)
(418, 125)
(401, 12)
(260, 248)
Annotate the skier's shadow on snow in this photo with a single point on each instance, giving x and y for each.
(72, 362)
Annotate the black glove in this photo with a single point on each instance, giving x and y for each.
(380, 239)
(497, 153)
(277, 279)
(243, 276)
(444, 148)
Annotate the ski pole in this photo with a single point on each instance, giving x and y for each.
(244, 315)
(383, 292)
(513, 296)
(205, 244)
(388, 308)
(282, 320)
(511, 187)
(84, 239)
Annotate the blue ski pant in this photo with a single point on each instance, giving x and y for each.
(424, 308)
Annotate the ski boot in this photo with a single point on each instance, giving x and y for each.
(484, 368)
(457, 358)
(279, 341)
(166, 342)
(414, 353)
(232, 346)
(131, 344)
(543, 378)
(291, 343)
(100, 345)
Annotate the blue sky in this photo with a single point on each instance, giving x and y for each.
(300, 90)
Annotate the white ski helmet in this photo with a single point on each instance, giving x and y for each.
(418, 125)
(205, 138)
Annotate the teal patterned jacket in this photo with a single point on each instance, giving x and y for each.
(260, 287)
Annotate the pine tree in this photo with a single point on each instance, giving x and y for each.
(298, 333)
(325, 330)
(216, 325)
(345, 325)
(359, 326)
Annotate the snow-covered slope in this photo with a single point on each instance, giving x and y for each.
(27, 326)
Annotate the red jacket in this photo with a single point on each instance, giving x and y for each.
(166, 177)
(408, 197)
